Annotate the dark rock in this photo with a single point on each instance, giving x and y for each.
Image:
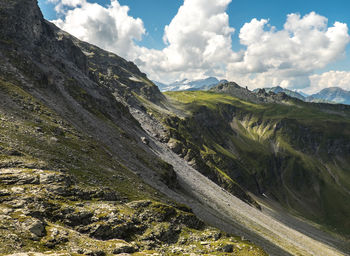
(107, 195)
(36, 227)
(21, 21)
(102, 231)
(163, 233)
(123, 248)
(227, 248)
(96, 253)
(14, 152)
(78, 218)
(60, 190)
(4, 192)
(190, 220)
(157, 212)
(139, 204)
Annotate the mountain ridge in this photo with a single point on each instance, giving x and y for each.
(279, 89)
(95, 160)
(334, 95)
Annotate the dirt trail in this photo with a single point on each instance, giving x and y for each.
(225, 211)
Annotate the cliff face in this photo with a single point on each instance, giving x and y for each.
(73, 158)
(21, 22)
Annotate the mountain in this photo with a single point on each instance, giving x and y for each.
(328, 95)
(187, 85)
(291, 151)
(95, 160)
(333, 94)
(78, 175)
(258, 96)
(286, 149)
(279, 89)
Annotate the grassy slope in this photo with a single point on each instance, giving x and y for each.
(293, 152)
(41, 136)
(33, 137)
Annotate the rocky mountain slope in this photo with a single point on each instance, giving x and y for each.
(260, 96)
(333, 94)
(272, 145)
(293, 152)
(74, 161)
(94, 160)
(279, 89)
(328, 95)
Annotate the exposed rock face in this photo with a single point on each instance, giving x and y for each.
(333, 94)
(237, 91)
(21, 21)
(260, 96)
(37, 214)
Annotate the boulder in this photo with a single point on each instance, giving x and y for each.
(36, 227)
(123, 248)
(227, 248)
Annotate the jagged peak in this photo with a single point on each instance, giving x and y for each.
(226, 85)
(20, 21)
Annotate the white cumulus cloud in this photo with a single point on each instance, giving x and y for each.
(329, 79)
(198, 38)
(198, 43)
(110, 27)
(289, 56)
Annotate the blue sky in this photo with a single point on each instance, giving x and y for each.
(156, 14)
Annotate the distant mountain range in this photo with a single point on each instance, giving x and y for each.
(328, 95)
(333, 94)
(290, 93)
(190, 85)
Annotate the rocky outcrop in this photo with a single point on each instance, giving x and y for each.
(47, 210)
(21, 21)
(260, 96)
(237, 91)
